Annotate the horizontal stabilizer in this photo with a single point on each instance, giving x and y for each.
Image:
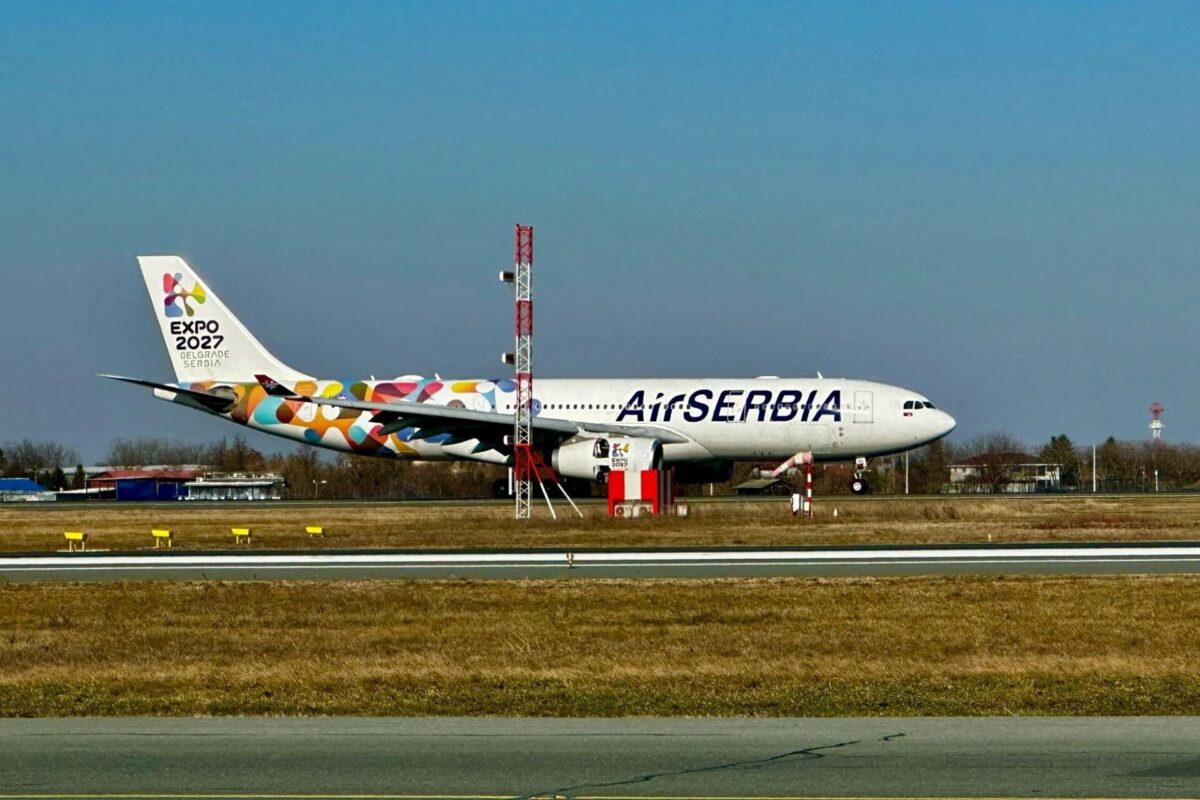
(213, 402)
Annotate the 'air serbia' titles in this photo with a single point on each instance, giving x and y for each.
(733, 405)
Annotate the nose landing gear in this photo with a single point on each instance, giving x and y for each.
(860, 485)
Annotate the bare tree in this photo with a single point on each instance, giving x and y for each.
(929, 467)
(144, 451)
(33, 458)
(1061, 451)
(235, 456)
(995, 457)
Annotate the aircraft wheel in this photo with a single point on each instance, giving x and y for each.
(860, 486)
(500, 488)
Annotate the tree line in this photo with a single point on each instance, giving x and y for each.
(43, 461)
(307, 472)
(311, 473)
(996, 459)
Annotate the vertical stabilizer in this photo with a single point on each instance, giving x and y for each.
(204, 340)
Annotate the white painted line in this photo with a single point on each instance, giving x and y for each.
(960, 555)
(907, 555)
(89, 567)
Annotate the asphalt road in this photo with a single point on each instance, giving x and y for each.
(1091, 559)
(336, 758)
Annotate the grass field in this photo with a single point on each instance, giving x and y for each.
(758, 522)
(1113, 645)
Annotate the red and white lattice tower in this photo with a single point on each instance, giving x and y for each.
(528, 466)
(1156, 423)
(523, 464)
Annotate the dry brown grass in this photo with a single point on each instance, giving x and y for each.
(759, 522)
(767, 647)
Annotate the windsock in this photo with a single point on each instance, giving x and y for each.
(795, 461)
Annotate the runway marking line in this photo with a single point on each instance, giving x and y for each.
(671, 564)
(645, 558)
(269, 796)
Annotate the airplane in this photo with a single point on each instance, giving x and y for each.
(584, 428)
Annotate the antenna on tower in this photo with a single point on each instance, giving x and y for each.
(1156, 423)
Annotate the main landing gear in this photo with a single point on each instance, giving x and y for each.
(860, 485)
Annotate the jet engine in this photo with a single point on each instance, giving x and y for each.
(592, 458)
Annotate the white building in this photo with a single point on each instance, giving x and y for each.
(236, 486)
(1020, 473)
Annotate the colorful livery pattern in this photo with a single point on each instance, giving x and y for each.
(351, 430)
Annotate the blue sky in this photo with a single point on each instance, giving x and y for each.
(995, 204)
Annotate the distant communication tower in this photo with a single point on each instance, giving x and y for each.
(1156, 423)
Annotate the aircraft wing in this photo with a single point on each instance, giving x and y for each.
(463, 423)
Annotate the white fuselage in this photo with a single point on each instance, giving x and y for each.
(749, 419)
(722, 419)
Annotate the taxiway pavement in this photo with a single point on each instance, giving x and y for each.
(600, 758)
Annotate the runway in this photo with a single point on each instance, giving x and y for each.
(1089, 559)
(600, 758)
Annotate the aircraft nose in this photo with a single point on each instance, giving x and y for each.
(946, 423)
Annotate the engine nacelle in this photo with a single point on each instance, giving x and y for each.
(593, 458)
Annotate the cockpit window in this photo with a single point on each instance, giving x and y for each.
(908, 405)
(929, 404)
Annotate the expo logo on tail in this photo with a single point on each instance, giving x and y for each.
(176, 302)
(191, 335)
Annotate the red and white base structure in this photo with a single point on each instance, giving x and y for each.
(632, 490)
(801, 505)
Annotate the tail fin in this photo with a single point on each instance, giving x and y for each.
(204, 339)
